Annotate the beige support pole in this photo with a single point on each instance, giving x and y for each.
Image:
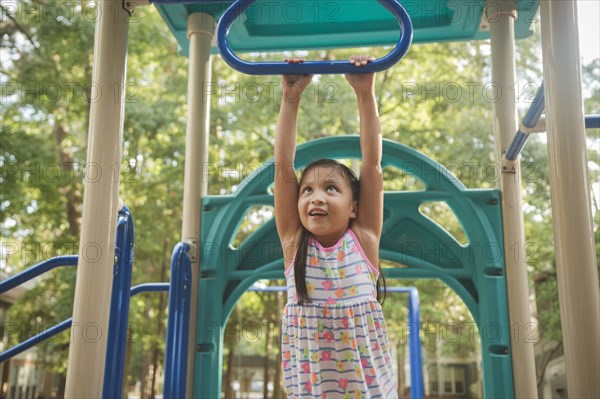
(89, 331)
(201, 30)
(502, 31)
(578, 292)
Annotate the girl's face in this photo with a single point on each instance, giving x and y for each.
(325, 203)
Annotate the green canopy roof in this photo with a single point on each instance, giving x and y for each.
(277, 25)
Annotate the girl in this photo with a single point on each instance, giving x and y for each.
(334, 338)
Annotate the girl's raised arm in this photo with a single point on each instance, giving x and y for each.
(370, 204)
(286, 184)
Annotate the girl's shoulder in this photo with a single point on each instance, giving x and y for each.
(369, 243)
(290, 245)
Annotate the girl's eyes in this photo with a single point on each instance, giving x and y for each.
(328, 188)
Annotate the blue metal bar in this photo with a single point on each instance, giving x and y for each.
(536, 109)
(119, 307)
(592, 121)
(149, 287)
(517, 145)
(414, 335)
(178, 323)
(414, 342)
(62, 326)
(36, 339)
(530, 120)
(23, 277)
(312, 67)
(36, 270)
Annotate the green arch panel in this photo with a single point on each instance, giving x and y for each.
(475, 270)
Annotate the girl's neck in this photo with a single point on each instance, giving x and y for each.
(329, 240)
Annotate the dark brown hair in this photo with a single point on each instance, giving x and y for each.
(302, 251)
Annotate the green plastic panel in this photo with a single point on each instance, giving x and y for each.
(475, 270)
(278, 25)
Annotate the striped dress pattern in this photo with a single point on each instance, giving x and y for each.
(336, 346)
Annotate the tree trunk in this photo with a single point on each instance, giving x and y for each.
(231, 343)
(278, 386)
(229, 372)
(400, 364)
(266, 364)
(127, 362)
(144, 377)
(69, 190)
(159, 320)
(545, 363)
(62, 386)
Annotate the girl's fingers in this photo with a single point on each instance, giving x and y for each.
(359, 60)
(294, 60)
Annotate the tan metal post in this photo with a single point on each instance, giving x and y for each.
(89, 331)
(502, 30)
(578, 292)
(201, 30)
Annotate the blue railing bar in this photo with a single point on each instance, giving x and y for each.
(592, 121)
(313, 67)
(536, 109)
(36, 339)
(119, 307)
(149, 287)
(58, 328)
(36, 270)
(186, 276)
(529, 121)
(517, 145)
(178, 323)
(416, 366)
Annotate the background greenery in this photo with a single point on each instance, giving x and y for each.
(46, 73)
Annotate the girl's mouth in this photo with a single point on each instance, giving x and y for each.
(317, 213)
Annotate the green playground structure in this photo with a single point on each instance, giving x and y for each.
(475, 271)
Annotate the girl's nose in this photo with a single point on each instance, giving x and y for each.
(317, 199)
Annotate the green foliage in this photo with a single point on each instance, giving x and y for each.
(436, 100)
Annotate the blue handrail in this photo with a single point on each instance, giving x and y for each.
(37, 270)
(23, 277)
(414, 342)
(530, 120)
(66, 324)
(592, 121)
(179, 307)
(414, 334)
(36, 339)
(312, 67)
(536, 109)
(178, 323)
(149, 287)
(114, 365)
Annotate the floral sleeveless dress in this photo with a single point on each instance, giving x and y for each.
(336, 346)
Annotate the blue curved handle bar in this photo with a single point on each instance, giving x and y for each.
(312, 67)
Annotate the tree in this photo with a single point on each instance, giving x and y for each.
(435, 100)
